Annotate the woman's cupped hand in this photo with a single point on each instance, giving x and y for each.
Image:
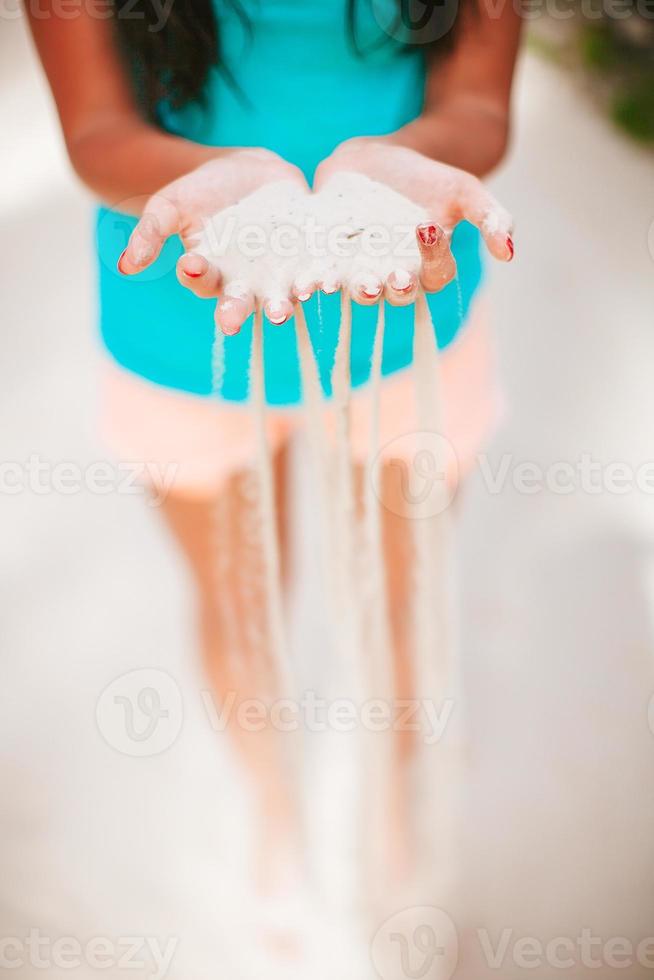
(185, 206)
(445, 195)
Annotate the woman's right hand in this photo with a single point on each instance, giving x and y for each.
(182, 207)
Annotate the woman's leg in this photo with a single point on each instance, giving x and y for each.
(398, 552)
(398, 543)
(220, 541)
(398, 557)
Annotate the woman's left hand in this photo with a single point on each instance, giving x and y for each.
(448, 195)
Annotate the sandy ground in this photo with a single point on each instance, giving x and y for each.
(557, 607)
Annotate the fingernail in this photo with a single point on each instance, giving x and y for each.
(328, 288)
(303, 296)
(276, 314)
(119, 263)
(192, 275)
(144, 255)
(429, 234)
(509, 245)
(231, 331)
(400, 280)
(371, 289)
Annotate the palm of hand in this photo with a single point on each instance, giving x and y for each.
(183, 207)
(444, 195)
(448, 194)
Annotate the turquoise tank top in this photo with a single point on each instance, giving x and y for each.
(301, 90)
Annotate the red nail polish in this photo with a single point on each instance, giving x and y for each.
(192, 275)
(429, 234)
(118, 264)
(509, 245)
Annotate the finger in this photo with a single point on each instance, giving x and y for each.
(366, 288)
(329, 285)
(438, 265)
(198, 275)
(234, 308)
(278, 310)
(401, 287)
(480, 208)
(303, 289)
(160, 220)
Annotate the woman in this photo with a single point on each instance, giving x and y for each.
(173, 118)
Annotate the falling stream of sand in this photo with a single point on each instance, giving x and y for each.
(350, 536)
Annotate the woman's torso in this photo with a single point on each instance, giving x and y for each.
(300, 89)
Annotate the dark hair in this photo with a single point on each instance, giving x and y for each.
(171, 60)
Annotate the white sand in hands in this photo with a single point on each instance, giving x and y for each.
(282, 235)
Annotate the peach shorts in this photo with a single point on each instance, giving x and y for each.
(204, 441)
